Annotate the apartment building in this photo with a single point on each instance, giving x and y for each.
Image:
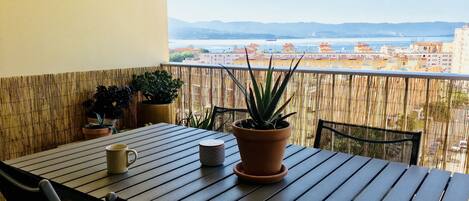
(461, 50)
(219, 58)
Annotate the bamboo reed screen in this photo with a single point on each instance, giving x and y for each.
(41, 112)
(438, 107)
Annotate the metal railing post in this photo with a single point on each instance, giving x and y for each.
(211, 87)
(385, 123)
(349, 110)
(425, 126)
(448, 120)
(190, 89)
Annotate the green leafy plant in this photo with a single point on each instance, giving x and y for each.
(158, 87)
(180, 56)
(262, 99)
(109, 101)
(197, 121)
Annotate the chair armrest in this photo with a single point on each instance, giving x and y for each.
(48, 190)
(111, 196)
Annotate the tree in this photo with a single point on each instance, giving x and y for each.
(439, 110)
(412, 120)
(460, 99)
(180, 56)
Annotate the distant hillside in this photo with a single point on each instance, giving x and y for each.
(254, 30)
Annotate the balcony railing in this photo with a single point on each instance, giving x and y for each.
(434, 103)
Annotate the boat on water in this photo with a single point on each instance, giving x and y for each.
(272, 40)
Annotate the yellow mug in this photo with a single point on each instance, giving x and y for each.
(117, 158)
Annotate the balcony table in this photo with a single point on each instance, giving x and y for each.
(168, 169)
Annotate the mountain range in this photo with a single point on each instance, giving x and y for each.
(179, 29)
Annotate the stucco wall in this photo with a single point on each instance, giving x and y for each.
(54, 36)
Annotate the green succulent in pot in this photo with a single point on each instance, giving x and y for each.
(262, 138)
(98, 129)
(262, 100)
(197, 120)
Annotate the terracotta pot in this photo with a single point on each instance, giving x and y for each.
(261, 150)
(92, 133)
(157, 113)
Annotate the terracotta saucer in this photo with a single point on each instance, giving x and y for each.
(238, 170)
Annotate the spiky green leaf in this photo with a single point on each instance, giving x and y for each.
(236, 81)
(255, 86)
(253, 105)
(274, 102)
(268, 83)
(277, 82)
(283, 107)
(286, 116)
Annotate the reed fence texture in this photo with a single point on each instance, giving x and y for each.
(434, 104)
(44, 111)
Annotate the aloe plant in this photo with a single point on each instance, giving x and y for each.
(197, 121)
(262, 100)
(100, 124)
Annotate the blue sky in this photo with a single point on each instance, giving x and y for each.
(325, 11)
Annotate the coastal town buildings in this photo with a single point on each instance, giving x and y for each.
(426, 47)
(442, 60)
(362, 48)
(288, 48)
(428, 56)
(216, 58)
(325, 48)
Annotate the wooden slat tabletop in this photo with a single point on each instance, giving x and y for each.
(168, 168)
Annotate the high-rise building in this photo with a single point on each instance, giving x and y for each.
(461, 50)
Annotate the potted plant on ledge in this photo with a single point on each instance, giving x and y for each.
(263, 137)
(160, 90)
(98, 129)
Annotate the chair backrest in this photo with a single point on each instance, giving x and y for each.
(222, 118)
(17, 186)
(392, 145)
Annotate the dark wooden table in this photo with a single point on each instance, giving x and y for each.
(169, 169)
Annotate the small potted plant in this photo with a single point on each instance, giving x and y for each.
(262, 138)
(197, 121)
(108, 102)
(98, 129)
(160, 90)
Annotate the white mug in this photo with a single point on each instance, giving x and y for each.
(117, 157)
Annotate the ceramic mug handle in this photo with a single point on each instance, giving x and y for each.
(127, 154)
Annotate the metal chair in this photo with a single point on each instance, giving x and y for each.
(398, 146)
(13, 189)
(222, 118)
(19, 185)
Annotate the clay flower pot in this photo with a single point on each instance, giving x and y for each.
(261, 150)
(92, 133)
(157, 113)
